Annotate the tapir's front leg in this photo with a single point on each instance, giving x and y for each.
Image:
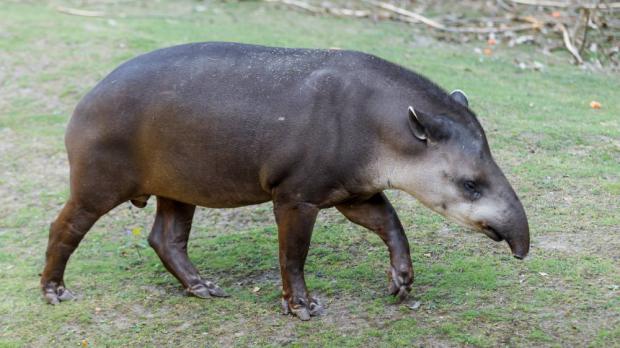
(295, 223)
(378, 215)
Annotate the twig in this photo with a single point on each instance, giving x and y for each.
(584, 18)
(505, 6)
(569, 45)
(78, 12)
(299, 4)
(406, 13)
(521, 27)
(413, 17)
(344, 12)
(551, 3)
(536, 22)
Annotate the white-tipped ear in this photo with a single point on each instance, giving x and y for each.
(460, 97)
(416, 126)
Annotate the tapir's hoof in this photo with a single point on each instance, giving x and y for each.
(206, 290)
(303, 311)
(54, 295)
(400, 284)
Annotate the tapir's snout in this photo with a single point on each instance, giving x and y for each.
(515, 231)
(520, 246)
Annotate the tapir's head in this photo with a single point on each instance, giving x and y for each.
(451, 171)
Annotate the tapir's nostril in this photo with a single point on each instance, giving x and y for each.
(520, 257)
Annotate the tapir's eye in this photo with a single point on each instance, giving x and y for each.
(471, 189)
(469, 185)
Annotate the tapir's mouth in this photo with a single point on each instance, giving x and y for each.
(519, 250)
(491, 233)
(479, 226)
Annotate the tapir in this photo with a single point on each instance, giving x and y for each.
(223, 125)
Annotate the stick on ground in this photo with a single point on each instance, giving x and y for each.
(569, 44)
(78, 12)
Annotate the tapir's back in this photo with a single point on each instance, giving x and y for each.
(212, 119)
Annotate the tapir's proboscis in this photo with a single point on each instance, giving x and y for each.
(224, 125)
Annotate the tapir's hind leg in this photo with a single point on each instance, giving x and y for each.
(100, 180)
(169, 239)
(66, 232)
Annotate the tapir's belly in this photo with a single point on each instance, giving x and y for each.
(203, 163)
(202, 184)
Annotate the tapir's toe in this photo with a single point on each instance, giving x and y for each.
(199, 290)
(215, 290)
(51, 298)
(400, 283)
(206, 290)
(65, 295)
(304, 310)
(55, 294)
(316, 308)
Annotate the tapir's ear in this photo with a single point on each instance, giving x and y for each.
(460, 97)
(416, 125)
(428, 127)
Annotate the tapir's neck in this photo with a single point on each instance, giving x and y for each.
(416, 175)
(386, 171)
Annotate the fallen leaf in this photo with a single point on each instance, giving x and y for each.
(595, 105)
(556, 14)
(491, 41)
(256, 289)
(543, 274)
(136, 231)
(487, 51)
(97, 309)
(428, 255)
(84, 343)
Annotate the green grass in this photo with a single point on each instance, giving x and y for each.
(562, 157)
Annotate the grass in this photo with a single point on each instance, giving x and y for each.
(562, 157)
